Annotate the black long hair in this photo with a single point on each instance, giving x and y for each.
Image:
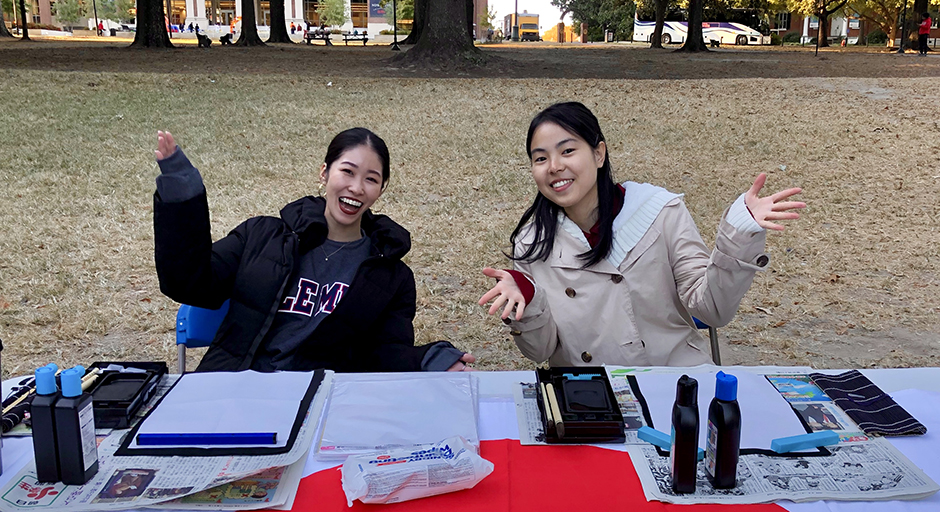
(578, 120)
(354, 137)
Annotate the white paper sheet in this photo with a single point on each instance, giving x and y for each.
(377, 411)
(230, 402)
(765, 415)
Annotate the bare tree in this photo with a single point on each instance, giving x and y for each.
(25, 28)
(4, 31)
(695, 41)
(249, 36)
(445, 41)
(151, 26)
(278, 23)
(656, 40)
(417, 26)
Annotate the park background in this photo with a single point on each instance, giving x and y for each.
(853, 283)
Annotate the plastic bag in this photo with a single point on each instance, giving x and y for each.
(401, 475)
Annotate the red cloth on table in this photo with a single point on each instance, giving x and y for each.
(526, 479)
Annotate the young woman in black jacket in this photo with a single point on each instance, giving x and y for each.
(322, 286)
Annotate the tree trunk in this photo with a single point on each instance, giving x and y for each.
(151, 26)
(892, 34)
(470, 27)
(445, 42)
(23, 25)
(656, 41)
(4, 31)
(249, 36)
(694, 42)
(822, 35)
(278, 23)
(418, 24)
(920, 7)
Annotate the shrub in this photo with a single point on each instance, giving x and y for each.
(401, 32)
(877, 37)
(775, 39)
(791, 37)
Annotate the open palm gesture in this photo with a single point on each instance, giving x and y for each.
(166, 145)
(774, 207)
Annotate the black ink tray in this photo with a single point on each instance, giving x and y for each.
(117, 396)
(586, 403)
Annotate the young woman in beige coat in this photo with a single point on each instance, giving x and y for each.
(612, 274)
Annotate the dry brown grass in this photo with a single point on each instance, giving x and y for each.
(854, 283)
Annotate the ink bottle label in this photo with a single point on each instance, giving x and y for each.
(711, 442)
(86, 421)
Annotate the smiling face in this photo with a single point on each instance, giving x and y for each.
(564, 167)
(352, 183)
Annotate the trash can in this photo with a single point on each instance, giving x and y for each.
(113, 32)
(609, 36)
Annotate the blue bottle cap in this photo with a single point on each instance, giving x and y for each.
(72, 381)
(45, 379)
(726, 387)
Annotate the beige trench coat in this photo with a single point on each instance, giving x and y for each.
(637, 313)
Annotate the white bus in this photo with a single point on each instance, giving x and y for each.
(732, 27)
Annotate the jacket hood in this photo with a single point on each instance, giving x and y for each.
(305, 217)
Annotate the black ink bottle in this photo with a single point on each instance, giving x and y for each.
(42, 416)
(683, 452)
(724, 433)
(75, 430)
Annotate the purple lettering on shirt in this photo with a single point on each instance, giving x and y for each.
(332, 294)
(305, 301)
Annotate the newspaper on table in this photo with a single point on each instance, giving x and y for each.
(872, 470)
(861, 468)
(145, 481)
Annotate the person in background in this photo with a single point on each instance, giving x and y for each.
(923, 32)
(608, 273)
(321, 286)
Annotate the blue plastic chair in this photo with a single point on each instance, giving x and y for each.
(712, 338)
(196, 327)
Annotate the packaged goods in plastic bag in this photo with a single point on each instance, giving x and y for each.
(407, 474)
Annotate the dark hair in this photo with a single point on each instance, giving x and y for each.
(578, 120)
(925, 15)
(354, 137)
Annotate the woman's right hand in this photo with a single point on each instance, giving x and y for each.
(166, 145)
(506, 292)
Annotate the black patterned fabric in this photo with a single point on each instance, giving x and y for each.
(871, 408)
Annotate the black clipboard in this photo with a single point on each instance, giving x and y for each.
(125, 449)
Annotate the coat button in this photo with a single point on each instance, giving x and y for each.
(586, 357)
(616, 278)
(762, 260)
(570, 292)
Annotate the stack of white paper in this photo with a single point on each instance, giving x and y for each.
(371, 412)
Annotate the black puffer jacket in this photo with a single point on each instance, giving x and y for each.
(371, 328)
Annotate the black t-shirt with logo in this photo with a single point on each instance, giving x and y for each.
(315, 289)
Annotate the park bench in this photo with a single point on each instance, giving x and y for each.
(355, 37)
(316, 34)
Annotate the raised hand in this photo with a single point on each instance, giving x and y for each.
(504, 293)
(770, 208)
(166, 145)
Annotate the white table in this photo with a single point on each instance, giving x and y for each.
(916, 389)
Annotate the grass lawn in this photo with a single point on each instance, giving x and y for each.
(854, 283)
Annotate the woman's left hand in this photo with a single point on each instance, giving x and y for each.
(767, 209)
(461, 364)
